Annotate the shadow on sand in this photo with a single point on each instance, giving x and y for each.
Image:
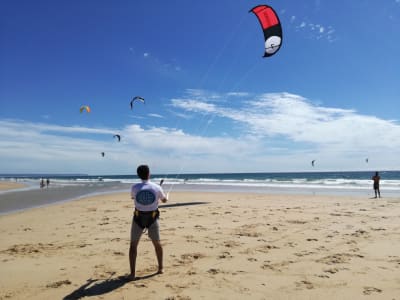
(97, 287)
(181, 204)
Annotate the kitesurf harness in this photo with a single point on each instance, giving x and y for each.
(145, 219)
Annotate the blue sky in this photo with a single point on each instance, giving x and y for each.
(213, 104)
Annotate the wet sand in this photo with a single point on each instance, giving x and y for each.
(216, 246)
(20, 200)
(9, 185)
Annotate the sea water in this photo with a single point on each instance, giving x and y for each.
(298, 181)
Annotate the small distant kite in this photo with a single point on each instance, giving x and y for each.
(137, 98)
(366, 160)
(102, 154)
(312, 163)
(271, 27)
(84, 107)
(118, 137)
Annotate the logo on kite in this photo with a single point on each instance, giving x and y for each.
(118, 137)
(84, 107)
(137, 98)
(271, 27)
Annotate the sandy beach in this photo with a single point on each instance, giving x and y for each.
(216, 246)
(8, 185)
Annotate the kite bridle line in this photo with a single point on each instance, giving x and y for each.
(211, 118)
(212, 65)
(202, 130)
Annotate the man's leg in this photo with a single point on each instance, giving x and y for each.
(159, 253)
(132, 258)
(154, 234)
(136, 233)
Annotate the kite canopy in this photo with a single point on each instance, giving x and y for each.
(84, 107)
(136, 98)
(312, 163)
(271, 27)
(118, 137)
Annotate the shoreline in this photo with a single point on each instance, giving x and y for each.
(23, 197)
(216, 246)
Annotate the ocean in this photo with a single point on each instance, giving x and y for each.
(390, 180)
(69, 187)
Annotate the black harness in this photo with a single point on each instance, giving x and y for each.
(145, 219)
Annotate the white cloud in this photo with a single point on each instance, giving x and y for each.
(314, 30)
(193, 105)
(296, 119)
(155, 116)
(237, 94)
(268, 132)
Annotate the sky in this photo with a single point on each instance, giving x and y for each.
(213, 104)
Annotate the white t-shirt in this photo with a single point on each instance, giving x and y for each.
(146, 195)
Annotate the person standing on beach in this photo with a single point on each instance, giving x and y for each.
(146, 196)
(376, 178)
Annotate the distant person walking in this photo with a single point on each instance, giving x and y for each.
(47, 182)
(41, 183)
(376, 178)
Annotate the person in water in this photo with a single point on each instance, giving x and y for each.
(146, 196)
(376, 178)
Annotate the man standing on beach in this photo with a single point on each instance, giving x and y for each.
(146, 196)
(376, 178)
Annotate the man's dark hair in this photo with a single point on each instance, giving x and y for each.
(143, 172)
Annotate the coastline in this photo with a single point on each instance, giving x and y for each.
(19, 197)
(217, 245)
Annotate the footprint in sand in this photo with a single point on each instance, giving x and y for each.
(224, 255)
(178, 297)
(58, 283)
(332, 270)
(368, 290)
(304, 283)
(360, 233)
(231, 244)
(191, 272)
(252, 259)
(394, 259)
(214, 271)
(189, 258)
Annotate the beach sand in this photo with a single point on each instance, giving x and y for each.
(216, 246)
(9, 185)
